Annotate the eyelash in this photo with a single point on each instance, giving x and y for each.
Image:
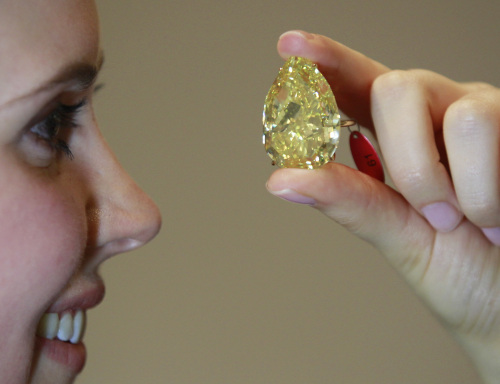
(63, 117)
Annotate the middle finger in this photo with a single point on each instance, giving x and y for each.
(407, 109)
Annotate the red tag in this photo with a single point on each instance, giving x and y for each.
(365, 156)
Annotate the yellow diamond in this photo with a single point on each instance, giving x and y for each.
(301, 118)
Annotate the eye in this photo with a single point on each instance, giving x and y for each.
(50, 129)
(46, 140)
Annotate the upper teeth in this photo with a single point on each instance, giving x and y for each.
(68, 327)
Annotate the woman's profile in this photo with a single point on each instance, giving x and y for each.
(66, 204)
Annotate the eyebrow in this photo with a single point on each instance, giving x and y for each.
(84, 74)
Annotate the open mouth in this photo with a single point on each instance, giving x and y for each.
(68, 326)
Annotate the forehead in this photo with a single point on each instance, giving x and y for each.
(39, 37)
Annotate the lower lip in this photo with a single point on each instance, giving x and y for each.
(70, 355)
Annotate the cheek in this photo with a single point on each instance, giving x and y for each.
(42, 238)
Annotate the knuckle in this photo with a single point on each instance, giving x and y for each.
(481, 208)
(470, 116)
(399, 81)
(421, 182)
(463, 117)
(409, 177)
(394, 83)
(464, 109)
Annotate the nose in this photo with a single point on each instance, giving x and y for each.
(120, 215)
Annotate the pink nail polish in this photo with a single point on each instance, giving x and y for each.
(294, 197)
(493, 235)
(443, 216)
(302, 34)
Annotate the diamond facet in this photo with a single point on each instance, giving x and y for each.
(301, 118)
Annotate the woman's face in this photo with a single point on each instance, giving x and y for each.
(65, 203)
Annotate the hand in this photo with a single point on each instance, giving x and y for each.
(441, 229)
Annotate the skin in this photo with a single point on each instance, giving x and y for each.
(61, 217)
(439, 226)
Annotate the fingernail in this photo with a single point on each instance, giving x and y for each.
(303, 34)
(443, 216)
(294, 197)
(493, 235)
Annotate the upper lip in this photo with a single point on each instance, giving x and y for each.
(80, 294)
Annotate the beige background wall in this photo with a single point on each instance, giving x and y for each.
(241, 287)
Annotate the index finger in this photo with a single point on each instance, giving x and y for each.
(350, 73)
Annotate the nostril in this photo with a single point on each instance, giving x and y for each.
(143, 230)
(122, 245)
(129, 244)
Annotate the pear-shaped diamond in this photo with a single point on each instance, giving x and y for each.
(301, 118)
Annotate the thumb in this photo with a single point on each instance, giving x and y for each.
(368, 208)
